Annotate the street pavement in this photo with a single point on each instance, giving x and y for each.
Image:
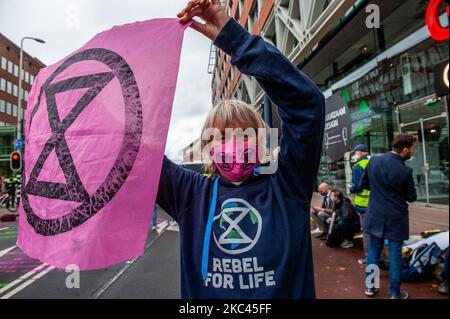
(339, 276)
(156, 274)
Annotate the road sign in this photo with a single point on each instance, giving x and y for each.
(338, 127)
(18, 144)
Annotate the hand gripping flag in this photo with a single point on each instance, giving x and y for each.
(95, 131)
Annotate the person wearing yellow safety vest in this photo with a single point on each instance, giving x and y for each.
(360, 158)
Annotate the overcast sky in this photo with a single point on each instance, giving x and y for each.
(66, 25)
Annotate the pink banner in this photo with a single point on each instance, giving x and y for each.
(95, 132)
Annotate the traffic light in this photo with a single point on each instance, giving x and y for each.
(16, 161)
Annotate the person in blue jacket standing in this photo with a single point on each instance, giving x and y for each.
(245, 234)
(391, 187)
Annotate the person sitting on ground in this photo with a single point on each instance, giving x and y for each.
(346, 220)
(321, 214)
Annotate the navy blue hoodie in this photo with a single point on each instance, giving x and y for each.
(257, 244)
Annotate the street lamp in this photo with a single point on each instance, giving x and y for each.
(19, 104)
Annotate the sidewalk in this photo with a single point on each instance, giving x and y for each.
(339, 276)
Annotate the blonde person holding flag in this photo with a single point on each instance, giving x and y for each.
(244, 234)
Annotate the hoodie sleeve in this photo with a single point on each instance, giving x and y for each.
(300, 104)
(179, 188)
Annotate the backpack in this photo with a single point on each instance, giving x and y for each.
(422, 260)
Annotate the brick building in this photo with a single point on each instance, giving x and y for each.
(9, 94)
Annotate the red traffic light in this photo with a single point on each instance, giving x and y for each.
(15, 161)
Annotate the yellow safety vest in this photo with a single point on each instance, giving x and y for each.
(362, 198)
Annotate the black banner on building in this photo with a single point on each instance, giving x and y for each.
(338, 128)
(441, 79)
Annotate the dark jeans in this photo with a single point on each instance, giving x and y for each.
(154, 216)
(444, 273)
(395, 261)
(347, 229)
(11, 198)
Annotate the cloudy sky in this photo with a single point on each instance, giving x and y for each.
(66, 25)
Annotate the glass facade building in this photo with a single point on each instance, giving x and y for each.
(387, 78)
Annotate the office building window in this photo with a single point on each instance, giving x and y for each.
(9, 87)
(21, 113)
(15, 90)
(4, 62)
(2, 84)
(2, 106)
(14, 110)
(8, 108)
(25, 97)
(27, 77)
(31, 79)
(10, 67)
(16, 70)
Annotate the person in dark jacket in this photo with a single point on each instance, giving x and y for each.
(346, 220)
(243, 233)
(391, 187)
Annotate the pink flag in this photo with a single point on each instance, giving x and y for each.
(96, 128)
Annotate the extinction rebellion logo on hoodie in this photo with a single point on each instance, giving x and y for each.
(236, 230)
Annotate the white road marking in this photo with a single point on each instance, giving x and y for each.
(4, 228)
(161, 226)
(27, 283)
(22, 278)
(171, 226)
(7, 250)
(174, 227)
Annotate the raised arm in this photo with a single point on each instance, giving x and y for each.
(301, 105)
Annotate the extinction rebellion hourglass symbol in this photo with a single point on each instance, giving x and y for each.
(73, 190)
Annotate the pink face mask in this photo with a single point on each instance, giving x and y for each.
(235, 160)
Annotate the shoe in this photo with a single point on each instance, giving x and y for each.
(443, 288)
(370, 292)
(401, 295)
(347, 244)
(153, 227)
(362, 261)
(316, 232)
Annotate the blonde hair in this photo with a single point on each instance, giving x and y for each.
(231, 114)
